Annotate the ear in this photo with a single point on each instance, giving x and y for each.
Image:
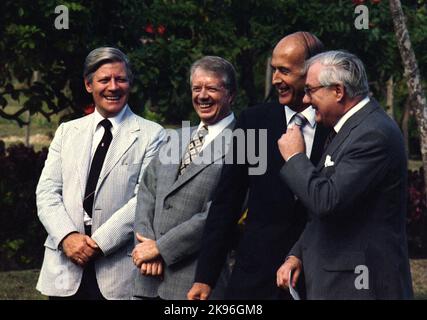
(88, 86)
(339, 92)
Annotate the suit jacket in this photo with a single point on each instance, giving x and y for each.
(60, 193)
(358, 209)
(272, 225)
(173, 211)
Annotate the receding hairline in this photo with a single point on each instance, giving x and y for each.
(294, 40)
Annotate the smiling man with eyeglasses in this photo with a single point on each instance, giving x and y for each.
(355, 195)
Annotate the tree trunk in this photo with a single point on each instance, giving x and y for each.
(412, 74)
(268, 75)
(390, 98)
(405, 124)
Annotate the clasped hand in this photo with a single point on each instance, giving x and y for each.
(146, 257)
(80, 248)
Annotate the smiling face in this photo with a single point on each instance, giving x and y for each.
(109, 88)
(211, 99)
(325, 100)
(287, 63)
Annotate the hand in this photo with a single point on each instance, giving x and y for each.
(144, 251)
(294, 264)
(199, 291)
(152, 268)
(79, 248)
(291, 142)
(97, 250)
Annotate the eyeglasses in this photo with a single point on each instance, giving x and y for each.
(309, 90)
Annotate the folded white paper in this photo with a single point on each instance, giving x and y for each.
(292, 291)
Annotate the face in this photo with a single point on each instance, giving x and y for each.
(325, 100)
(211, 99)
(109, 88)
(287, 63)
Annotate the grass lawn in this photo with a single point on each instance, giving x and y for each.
(20, 285)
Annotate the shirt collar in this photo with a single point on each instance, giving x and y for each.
(115, 121)
(308, 112)
(349, 113)
(220, 125)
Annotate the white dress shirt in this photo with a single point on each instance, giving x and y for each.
(308, 130)
(349, 113)
(215, 129)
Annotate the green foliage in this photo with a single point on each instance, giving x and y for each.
(22, 235)
(163, 38)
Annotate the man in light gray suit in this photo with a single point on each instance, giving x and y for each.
(176, 192)
(86, 195)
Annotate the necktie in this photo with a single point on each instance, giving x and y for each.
(193, 148)
(96, 166)
(329, 139)
(300, 120)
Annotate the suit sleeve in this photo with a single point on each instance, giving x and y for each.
(118, 230)
(146, 201)
(362, 166)
(223, 216)
(50, 206)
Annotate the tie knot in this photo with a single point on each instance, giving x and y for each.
(203, 131)
(106, 124)
(300, 120)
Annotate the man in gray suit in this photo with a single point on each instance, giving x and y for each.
(354, 245)
(175, 193)
(86, 195)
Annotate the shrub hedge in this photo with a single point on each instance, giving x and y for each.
(22, 235)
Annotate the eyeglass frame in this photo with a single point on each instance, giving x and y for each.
(309, 90)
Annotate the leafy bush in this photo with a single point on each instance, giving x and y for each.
(417, 214)
(22, 235)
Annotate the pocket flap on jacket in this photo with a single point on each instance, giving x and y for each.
(344, 261)
(49, 243)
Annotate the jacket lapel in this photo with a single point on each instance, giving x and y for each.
(320, 135)
(209, 156)
(349, 125)
(126, 135)
(82, 148)
(277, 121)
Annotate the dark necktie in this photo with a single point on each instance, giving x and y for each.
(193, 148)
(96, 166)
(329, 139)
(300, 120)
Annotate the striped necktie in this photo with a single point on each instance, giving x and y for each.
(193, 148)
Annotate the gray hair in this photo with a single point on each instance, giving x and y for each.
(100, 56)
(341, 68)
(219, 67)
